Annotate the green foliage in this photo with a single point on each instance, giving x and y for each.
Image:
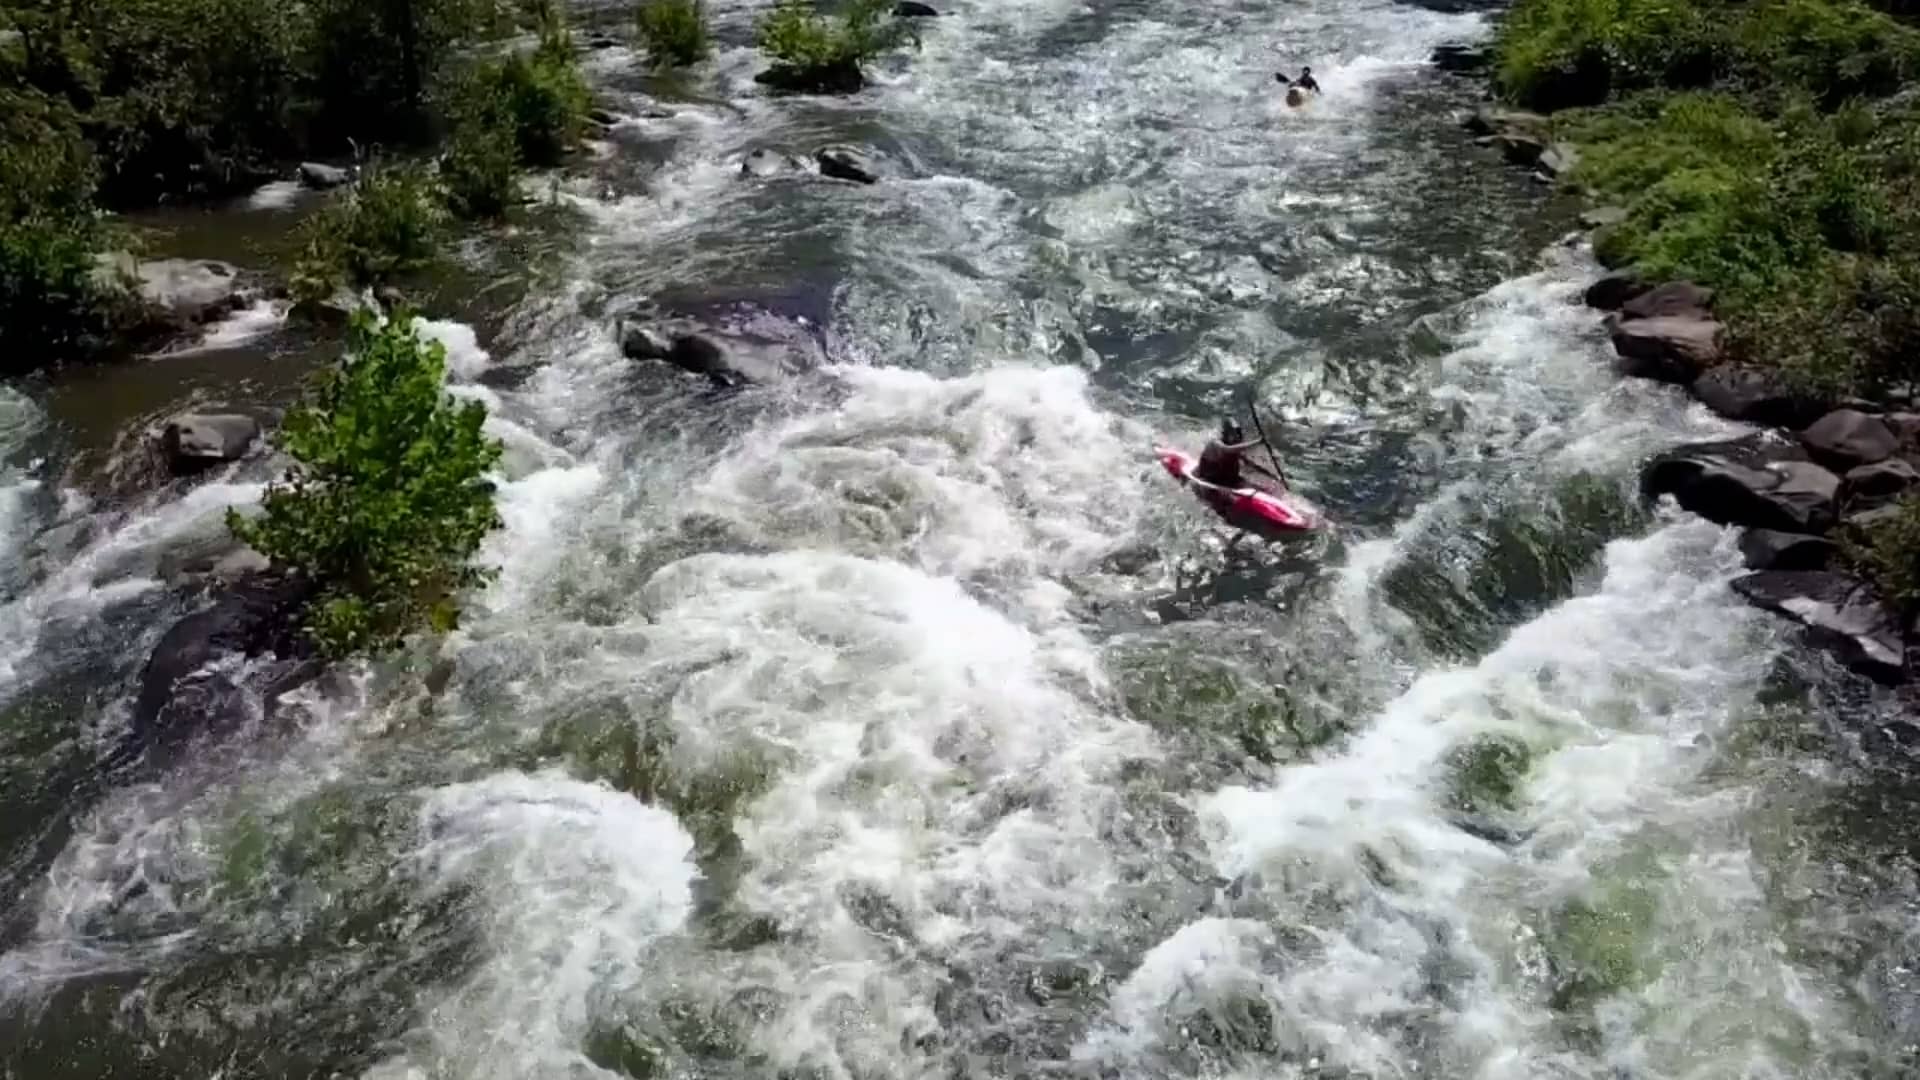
(388, 224)
(1887, 552)
(388, 498)
(674, 32)
(1555, 53)
(812, 52)
(480, 170)
(55, 304)
(372, 62)
(546, 98)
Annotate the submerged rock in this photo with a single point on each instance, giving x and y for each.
(1670, 298)
(732, 364)
(847, 163)
(1739, 392)
(1491, 120)
(1752, 481)
(1771, 549)
(1844, 616)
(1603, 217)
(1846, 438)
(764, 163)
(313, 174)
(1669, 348)
(913, 9)
(844, 78)
(184, 693)
(194, 442)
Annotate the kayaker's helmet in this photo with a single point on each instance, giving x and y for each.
(1230, 432)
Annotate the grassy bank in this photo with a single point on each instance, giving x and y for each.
(1769, 149)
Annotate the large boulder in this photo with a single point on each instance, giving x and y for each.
(1491, 120)
(1881, 482)
(1846, 438)
(1752, 481)
(1771, 549)
(1905, 427)
(194, 442)
(847, 163)
(1616, 288)
(1520, 147)
(184, 691)
(315, 175)
(1843, 615)
(1670, 348)
(726, 364)
(1671, 298)
(1558, 159)
(176, 296)
(844, 78)
(1739, 392)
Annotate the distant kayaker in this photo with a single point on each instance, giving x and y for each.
(1222, 460)
(1304, 82)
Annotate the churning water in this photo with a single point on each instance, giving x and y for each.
(900, 720)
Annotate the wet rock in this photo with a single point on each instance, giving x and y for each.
(1491, 120)
(194, 442)
(599, 42)
(1519, 147)
(1846, 438)
(1905, 427)
(1559, 159)
(1842, 614)
(1066, 978)
(727, 365)
(176, 296)
(913, 9)
(1616, 288)
(1669, 348)
(1603, 217)
(1771, 549)
(838, 79)
(846, 163)
(179, 698)
(1460, 58)
(1879, 483)
(335, 311)
(603, 117)
(1752, 481)
(1739, 392)
(764, 163)
(1671, 298)
(315, 175)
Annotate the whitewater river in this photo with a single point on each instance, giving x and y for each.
(902, 720)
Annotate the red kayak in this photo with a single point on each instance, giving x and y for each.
(1268, 513)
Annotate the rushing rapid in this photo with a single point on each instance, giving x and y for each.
(901, 717)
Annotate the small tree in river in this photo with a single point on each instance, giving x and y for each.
(388, 498)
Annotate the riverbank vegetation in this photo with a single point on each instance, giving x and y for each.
(1770, 150)
(388, 498)
(118, 104)
(1765, 149)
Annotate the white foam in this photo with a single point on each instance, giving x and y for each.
(574, 883)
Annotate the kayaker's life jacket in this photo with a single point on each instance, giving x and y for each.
(1219, 465)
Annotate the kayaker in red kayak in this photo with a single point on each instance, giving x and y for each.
(1224, 457)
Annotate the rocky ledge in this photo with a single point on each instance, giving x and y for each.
(1817, 476)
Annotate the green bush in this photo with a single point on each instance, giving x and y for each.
(1551, 54)
(547, 99)
(388, 498)
(372, 62)
(1887, 553)
(55, 304)
(674, 32)
(480, 169)
(813, 53)
(388, 224)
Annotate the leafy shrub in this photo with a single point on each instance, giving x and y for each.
(1887, 553)
(814, 53)
(674, 31)
(387, 225)
(547, 99)
(55, 304)
(373, 61)
(480, 170)
(1557, 53)
(388, 498)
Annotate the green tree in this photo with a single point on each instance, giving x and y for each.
(674, 32)
(388, 498)
(373, 62)
(388, 224)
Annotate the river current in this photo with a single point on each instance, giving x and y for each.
(901, 719)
